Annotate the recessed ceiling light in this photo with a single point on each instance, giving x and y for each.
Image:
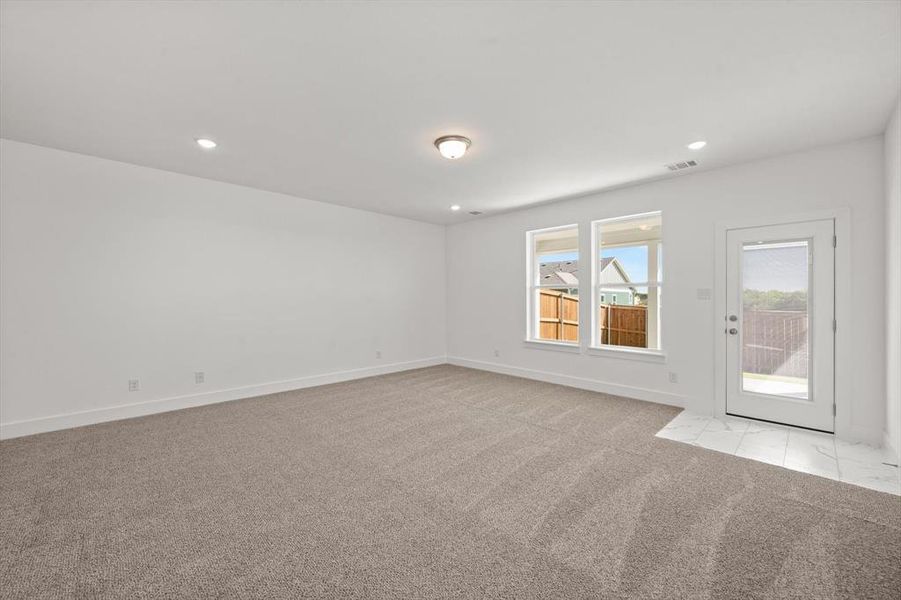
(452, 146)
(455, 207)
(205, 143)
(697, 145)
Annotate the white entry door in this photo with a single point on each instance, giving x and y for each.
(780, 324)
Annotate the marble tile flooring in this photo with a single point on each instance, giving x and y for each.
(797, 449)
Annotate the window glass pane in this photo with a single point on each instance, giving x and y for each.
(775, 281)
(558, 314)
(630, 257)
(558, 272)
(622, 264)
(554, 311)
(624, 247)
(554, 252)
(629, 316)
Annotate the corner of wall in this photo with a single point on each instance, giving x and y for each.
(892, 152)
(446, 292)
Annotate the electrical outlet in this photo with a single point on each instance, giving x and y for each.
(134, 385)
(199, 377)
(497, 352)
(378, 353)
(673, 377)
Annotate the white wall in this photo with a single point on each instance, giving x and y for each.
(486, 276)
(112, 271)
(893, 281)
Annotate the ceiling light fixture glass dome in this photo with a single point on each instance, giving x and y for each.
(453, 146)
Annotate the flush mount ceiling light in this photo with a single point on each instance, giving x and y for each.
(455, 207)
(452, 146)
(697, 145)
(205, 143)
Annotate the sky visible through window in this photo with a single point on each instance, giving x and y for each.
(634, 259)
(773, 267)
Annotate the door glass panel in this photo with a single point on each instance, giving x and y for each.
(775, 310)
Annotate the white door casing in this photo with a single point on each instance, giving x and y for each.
(779, 326)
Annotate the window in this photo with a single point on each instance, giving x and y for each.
(627, 274)
(553, 293)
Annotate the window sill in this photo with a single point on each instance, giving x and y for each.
(655, 356)
(555, 346)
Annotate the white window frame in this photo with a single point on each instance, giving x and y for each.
(533, 285)
(656, 279)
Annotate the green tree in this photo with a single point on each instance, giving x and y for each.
(775, 300)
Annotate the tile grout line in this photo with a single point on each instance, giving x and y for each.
(785, 452)
(838, 464)
(703, 429)
(740, 440)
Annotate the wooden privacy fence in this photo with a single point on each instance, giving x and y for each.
(620, 324)
(774, 342)
(559, 316)
(623, 325)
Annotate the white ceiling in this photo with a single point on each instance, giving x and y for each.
(340, 102)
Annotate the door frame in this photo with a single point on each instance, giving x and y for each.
(843, 351)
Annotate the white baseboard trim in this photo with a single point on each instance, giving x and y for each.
(583, 383)
(140, 409)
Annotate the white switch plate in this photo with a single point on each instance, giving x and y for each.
(199, 377)
(134, 385)
(705, 293)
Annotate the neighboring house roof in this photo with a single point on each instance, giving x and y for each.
(614, 266)
(563, 273)
(605, 262)
(566, 272)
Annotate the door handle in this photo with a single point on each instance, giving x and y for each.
(733, 331)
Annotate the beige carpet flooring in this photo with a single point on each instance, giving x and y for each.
(436, 483)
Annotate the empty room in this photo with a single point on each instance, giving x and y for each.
(450, 299)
